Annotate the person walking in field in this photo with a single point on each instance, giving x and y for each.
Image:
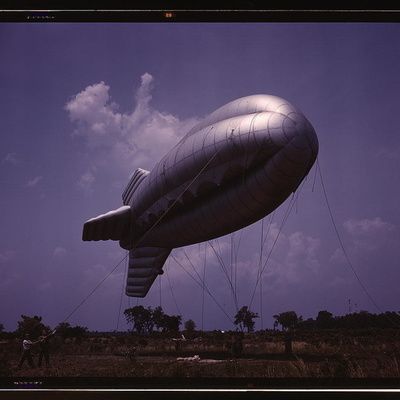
(26, 352)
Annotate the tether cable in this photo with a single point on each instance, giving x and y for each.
(224, 269)
(122, 292)
(284, 219)
(205, 287)
(344, 249)
(172, 292)
(94, 289)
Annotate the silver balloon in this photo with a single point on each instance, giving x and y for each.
(230, 170)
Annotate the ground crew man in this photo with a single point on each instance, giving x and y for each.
(26, 352)
(44, 347)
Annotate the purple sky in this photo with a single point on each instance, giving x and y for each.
(83, 105)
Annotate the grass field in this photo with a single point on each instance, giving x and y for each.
(328, 355)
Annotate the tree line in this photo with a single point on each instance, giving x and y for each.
(145, 321)
(34, 326)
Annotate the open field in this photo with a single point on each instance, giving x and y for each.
(370, 354)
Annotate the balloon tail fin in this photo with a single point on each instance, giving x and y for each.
(145, 263)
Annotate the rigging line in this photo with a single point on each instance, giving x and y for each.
(236, 259)
(159, 286)
(286, 215)
(222, 265)
(297, 194)
(344, 249)
(263, 242)
(122, 292)
(231, 256)
(201, 280)
(95, 288)
(172, 292)
(218, 254)
(315, 175)
(259, 270)
(231, 264)
(285, 218)
(227, 275)
(204, 280)
(194, 269)
(205, 287)
(340, 240)
(191, 264)
(238, 244)
(225, 268)
(271, 219)
(128, 297)
(265, 237)
(146, 233)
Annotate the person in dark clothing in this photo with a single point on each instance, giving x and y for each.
(288, 341)
(44, 348)
(26, 352)
(236, 345)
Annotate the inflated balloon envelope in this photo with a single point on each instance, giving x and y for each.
(230, 170)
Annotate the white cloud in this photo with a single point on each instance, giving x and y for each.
(11, 158)
(294, 258)
(365, 238)
(124, 141)
(95, 117)
(34, 181)
(369, 235)
(368, 227)
(302, 250)
(391, 153)
(59, 252)
(85, 181)
(337, 257)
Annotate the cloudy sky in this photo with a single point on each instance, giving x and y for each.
(83, 105)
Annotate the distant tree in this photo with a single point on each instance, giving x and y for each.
(288, 320)
(309, 323)
(141, 318)
(171, 323)
(324, 320)
(158, 317)
(356, 320)
(190, 326)
(31, 325)
(78, 331)
(1, 328)
(65, 330)
(244, 318)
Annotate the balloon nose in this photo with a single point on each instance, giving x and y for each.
(309, 137)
